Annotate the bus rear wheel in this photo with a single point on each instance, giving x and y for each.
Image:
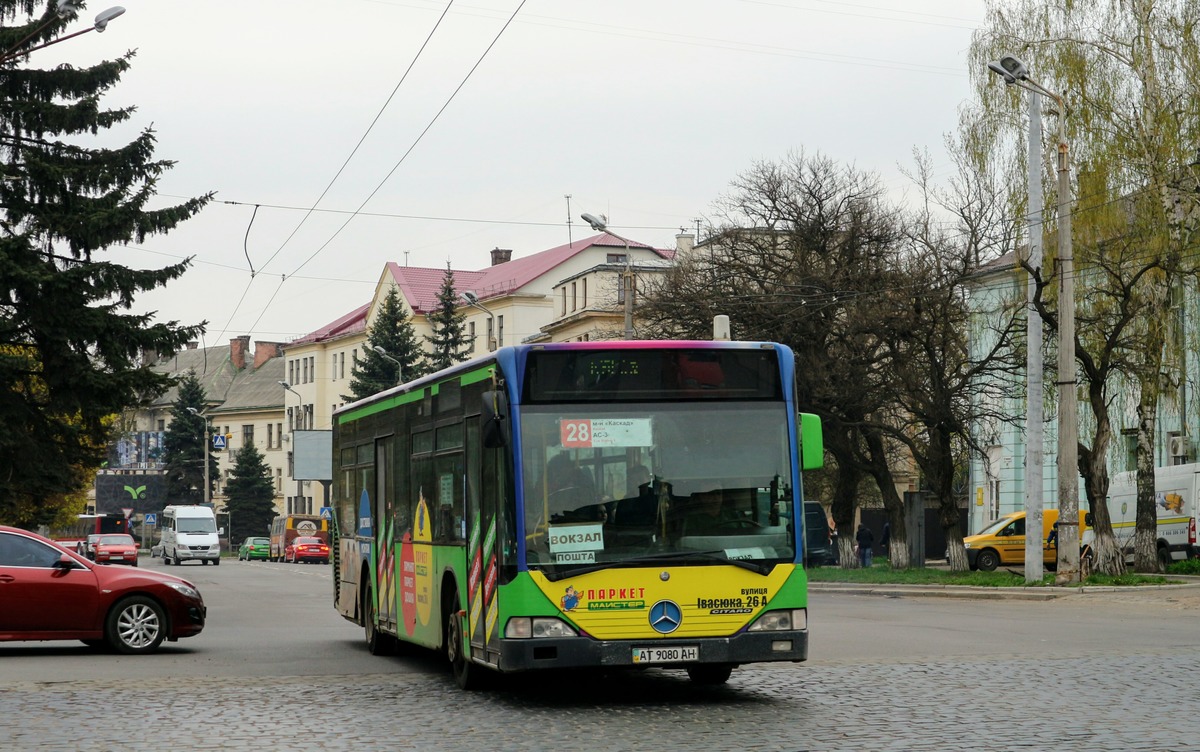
(710, 674)
(467, 675)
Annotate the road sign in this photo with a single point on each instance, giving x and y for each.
(327, 513)
(128, 512)
(219, 441)
(150, 519)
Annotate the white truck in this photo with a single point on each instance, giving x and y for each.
(1176, 494)
(190, 533)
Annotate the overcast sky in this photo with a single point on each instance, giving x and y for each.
(643, 110)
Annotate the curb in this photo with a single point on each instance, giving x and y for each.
(986, 593)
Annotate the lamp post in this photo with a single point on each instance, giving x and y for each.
(204, 448)
(399, 367)
(65, 8)
(473, 301)
(600, 224)
(1015, 73)
(299, 483)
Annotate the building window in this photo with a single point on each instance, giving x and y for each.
(1129, 446)
(574, 298)
(333, 367)
(500, 330)
(616, 258)
(278, 479)
(490, 334)
(304, 370)
(247, 435)
(564, 301)
(471, 334)
(270, 436)
(312, 367)
(291, 372)
(162, 425)
(583, 283)
(342, 370)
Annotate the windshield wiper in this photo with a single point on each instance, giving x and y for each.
(716, 555)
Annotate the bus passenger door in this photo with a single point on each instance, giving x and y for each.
(482, 530)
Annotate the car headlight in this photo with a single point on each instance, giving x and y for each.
(779, 621)
(525, 627)
(184, 589)
(966, 545)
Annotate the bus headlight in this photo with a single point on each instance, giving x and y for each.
(539, 626)
(779, 621)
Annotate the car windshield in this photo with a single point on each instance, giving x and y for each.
(116, 540)
(197, 525)
(608, 486)
(995, 526)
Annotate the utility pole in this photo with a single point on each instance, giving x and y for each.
(1034, 418)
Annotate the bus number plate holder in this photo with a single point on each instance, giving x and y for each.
(675, 654)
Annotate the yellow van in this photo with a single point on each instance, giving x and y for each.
(1003, 541)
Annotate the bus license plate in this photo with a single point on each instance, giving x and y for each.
(679, 654)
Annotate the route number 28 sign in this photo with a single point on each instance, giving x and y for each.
(588, 433)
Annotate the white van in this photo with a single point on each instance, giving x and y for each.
(189, 533)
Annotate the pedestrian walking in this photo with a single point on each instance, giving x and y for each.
(866, 541)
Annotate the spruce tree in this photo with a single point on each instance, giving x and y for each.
(448, 342)
(393, 331)
(70, 347)
(184, 444)
(250, 495)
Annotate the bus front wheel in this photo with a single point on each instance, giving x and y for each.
(466, 674)
(378, 643)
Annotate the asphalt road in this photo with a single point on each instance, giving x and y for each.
(276, 668)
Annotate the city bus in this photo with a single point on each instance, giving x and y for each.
(591, 504)
(284, 528)
(75, 534)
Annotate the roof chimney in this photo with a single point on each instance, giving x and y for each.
(264, 351)
(501, 256)
(684, 242)
(237, 351)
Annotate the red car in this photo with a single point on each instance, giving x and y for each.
(51, 593)
(307, 549)
(116, 548)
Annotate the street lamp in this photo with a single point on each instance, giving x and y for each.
(1016, 73)
(600, 224)
(65, 8)
(299, 483)
(473, 301)
(204, 448)
(399, 367)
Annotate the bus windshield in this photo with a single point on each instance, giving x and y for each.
(624, 485)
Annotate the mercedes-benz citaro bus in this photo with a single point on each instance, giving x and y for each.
(587, 504)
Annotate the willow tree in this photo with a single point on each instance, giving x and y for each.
(70, 346)
(1128, 71)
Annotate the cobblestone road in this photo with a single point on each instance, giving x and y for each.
(1139, 702)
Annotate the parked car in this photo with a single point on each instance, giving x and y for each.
(306, 549)
(52, 593)
(254, 548)
(115, 548)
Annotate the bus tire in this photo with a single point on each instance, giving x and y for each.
(710, 674)
(987, 560)
(378, 643)
(467, 675)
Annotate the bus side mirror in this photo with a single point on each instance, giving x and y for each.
(1087, 519)
(812, 442)
(495, 414)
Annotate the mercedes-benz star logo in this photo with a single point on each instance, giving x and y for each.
(665, 617)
